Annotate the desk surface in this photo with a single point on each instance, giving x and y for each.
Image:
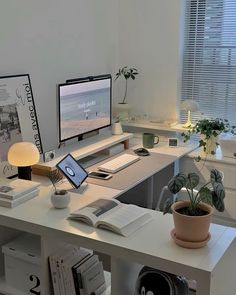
(136, 172)
(150, 245)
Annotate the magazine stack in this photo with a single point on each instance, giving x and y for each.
(17, 191)
(76, 271)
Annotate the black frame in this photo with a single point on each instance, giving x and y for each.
(7, 170)
(68, 178)
(78, 81)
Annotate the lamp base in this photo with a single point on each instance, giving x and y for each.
(188, 124)
(24, 172)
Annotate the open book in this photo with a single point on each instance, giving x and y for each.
(113, 215)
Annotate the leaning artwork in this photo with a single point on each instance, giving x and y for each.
(18, 120)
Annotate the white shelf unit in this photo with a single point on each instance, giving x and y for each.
(150, 246)
(8, 290)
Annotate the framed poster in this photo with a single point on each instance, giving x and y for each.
(18, 120)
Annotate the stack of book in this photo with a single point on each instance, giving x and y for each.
(17, 191)
(76, 271)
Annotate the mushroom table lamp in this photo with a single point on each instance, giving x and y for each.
(189, 105)
(23, 155)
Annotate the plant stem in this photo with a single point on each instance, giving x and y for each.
(126, 82)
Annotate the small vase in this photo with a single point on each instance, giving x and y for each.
(122, 111)
(60, 201)
(117, 128)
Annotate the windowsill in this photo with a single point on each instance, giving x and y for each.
(218, 157)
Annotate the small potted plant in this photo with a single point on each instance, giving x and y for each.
(60, 198)
(123, 107)
(209, 131)
(192, 217)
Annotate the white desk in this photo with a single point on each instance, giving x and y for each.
(150, 245)
(212, 266)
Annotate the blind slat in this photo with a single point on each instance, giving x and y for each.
(209, 62)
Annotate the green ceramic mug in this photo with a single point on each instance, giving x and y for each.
(149, 140)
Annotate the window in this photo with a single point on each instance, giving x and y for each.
(209, 61)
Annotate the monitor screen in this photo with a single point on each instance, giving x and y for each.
(84, 106)
(72, 170)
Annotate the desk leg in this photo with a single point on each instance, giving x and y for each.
(124, 275)
(204, 285)
(150, 183)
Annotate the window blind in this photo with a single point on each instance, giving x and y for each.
(209, 58)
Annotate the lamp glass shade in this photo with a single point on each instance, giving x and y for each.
(22, 154)
(189, 105)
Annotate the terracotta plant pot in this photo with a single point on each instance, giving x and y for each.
(193, 229)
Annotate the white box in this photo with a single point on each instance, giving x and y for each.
(22, 261)
(228, 146)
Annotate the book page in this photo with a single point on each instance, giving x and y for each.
(125, 220)
(95, 211)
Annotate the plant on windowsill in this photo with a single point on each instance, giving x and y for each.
(209, 131)
(127, 73)
(60, 198)
(192, 217)
(123, 107)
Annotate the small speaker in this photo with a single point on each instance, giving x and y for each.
(50, 155)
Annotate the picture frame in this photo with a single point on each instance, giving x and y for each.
(173, 142)
(18, 118)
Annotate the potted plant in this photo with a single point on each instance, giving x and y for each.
(192, 217)
(60, 198)
(123, 107)
(209, 131)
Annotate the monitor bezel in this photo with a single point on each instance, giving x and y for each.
(79, 81)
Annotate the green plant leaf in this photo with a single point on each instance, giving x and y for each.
(192, 181)
(217, 202)
(218, 188)
(197, 159)
(177, 182)
(205, 195)
(215, 176)
(167, 206)
(54, 176)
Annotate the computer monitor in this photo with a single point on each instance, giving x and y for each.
(84, 106)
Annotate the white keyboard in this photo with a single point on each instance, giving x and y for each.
(119, 163)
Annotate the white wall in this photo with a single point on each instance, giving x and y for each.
(57, 39)
(53, 41)
(149, 40)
